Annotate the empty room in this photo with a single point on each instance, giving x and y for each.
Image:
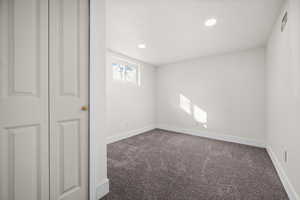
(203, 99)
(149, 99)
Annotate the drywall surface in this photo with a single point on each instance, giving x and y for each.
(221, 96)
(130, 107)
(283, 93)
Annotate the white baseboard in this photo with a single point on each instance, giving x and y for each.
(102, 189)
(282, 175)
(128, 134)
(216, 136)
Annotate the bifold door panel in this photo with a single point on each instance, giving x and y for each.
(24, 155)
(68, 93)
(43, 86)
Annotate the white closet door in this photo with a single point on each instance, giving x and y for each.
(69, 25)
(24, 167)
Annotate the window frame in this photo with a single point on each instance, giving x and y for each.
(125, 62)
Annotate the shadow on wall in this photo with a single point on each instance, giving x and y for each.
(198, 114)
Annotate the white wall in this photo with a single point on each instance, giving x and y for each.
(229, 88)
(283, 93)
(130, 107)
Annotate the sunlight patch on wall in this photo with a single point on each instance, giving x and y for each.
(185, 104)
(199, 115)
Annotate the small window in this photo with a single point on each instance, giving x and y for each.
(125, 71)
(131, 73)
(118, 71)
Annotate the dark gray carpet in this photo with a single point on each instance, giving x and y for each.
(161, 165)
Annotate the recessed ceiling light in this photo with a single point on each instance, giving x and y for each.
(142, 46)
(210, 22)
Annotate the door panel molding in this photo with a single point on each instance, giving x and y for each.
(24, 81)
(69, 148)
(69, 28)
(24, 144)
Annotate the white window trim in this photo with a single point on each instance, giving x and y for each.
(120, 60)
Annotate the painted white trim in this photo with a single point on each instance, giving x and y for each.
(102, 189)
(216, 136)
(128, 134)
(92, 132)
(289, 188)
(97, 66)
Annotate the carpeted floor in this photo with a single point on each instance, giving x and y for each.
(161, 165)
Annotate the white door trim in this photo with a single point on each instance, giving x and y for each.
(92, 96)
(92, 136)
(99, 184)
